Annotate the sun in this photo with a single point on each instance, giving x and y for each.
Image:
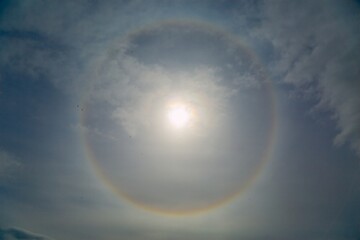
(179, 115)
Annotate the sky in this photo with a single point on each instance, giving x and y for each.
(179, 120)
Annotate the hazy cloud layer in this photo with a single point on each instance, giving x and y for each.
(137, 92)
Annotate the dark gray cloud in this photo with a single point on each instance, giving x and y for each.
(19, 234)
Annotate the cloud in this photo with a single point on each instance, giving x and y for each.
(143, 90)
(317, 50)
(314, 46)
(195, 62)
(17, 233)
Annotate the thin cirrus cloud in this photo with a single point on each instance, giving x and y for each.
(318, 52)
(110, 53)
(311, 59)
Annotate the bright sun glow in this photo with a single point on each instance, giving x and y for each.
(179, 115)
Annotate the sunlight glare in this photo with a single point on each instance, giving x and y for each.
(179, 116)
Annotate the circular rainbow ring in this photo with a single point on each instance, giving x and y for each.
(267, 152)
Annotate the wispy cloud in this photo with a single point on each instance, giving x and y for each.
(318, 52)
(314, 46)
